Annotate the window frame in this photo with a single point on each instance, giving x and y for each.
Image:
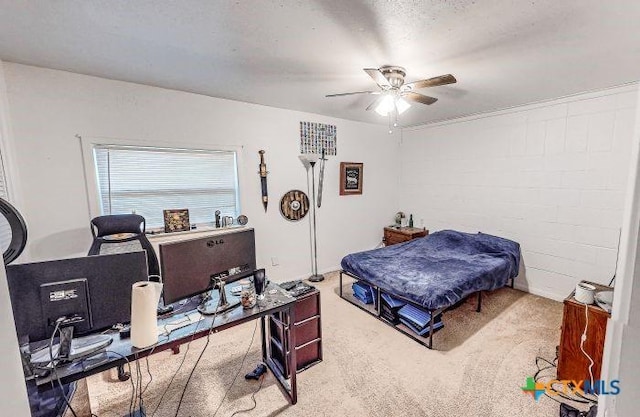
(91, 176)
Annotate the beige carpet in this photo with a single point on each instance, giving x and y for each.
(369, 369)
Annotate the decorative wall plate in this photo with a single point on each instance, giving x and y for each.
(294, 205)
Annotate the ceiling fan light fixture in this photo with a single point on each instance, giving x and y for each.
(402, 105)
(385, 106)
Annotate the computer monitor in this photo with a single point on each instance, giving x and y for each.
(189, 267)
(92, 292)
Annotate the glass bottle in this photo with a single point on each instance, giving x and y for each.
(411, 220)
(247, 294)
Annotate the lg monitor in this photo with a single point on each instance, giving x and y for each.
(191, 267)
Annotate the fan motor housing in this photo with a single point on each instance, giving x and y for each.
(394, 74)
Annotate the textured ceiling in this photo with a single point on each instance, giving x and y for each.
(289, 54)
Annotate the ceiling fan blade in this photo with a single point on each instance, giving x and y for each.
(351, 94)
(374, 104)
(378, 77)
(431, 82)
(419, 98)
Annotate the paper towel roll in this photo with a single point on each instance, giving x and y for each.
(144, 313)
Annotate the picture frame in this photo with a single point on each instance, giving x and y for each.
(351, 178)
(176, 220)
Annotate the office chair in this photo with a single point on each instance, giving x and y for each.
(122, 233)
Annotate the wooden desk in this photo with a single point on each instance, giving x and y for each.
(572, 363)
(279, 302)
(394, 235)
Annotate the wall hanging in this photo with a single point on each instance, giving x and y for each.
(294, 205)
(321, 178)
(350, 178)
(318, 137)
(263, 180)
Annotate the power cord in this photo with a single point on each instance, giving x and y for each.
(253, 398)
(551, 365)
(583, 339)
(133, 386)
(184, 357)
(55, 368)
(195, 365)
(239, 369)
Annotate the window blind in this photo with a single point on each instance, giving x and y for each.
(149, 180)
(3, 183)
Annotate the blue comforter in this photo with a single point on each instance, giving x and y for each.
(440, 269)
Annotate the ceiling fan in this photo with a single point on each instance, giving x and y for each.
(395, 94)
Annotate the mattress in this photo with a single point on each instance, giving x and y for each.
(440, 269)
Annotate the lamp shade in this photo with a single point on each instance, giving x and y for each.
(309, 159)
(385, 106)
(402, 105)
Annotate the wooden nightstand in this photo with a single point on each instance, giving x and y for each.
(393, 235)
(572, 364)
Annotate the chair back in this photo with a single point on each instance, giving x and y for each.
(121, 233)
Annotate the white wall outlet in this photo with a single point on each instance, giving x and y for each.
(274, 261)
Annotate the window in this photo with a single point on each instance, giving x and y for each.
(3, 182)
(148, 180)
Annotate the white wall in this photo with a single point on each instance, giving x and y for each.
(551, 176)
(620, 358)
(48, 108)
(13, 394)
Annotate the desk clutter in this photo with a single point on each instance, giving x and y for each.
(297, 288)
(397, 311)
(70, 328)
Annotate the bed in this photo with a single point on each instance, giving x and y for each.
(437, 271)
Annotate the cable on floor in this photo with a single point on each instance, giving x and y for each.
(253, 398)
(557, 394)
(195, 365)
(133, 386)
(239, 369)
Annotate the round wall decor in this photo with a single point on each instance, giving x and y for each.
(294, 205)
(13, 232)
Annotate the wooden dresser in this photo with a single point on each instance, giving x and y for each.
(308, 328)
(572, 363)
(393, 235)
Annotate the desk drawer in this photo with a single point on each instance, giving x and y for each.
(307, 355)
(307, 331)
(307, 306)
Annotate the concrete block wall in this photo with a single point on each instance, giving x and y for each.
(551, 176)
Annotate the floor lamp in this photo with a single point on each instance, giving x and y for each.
(310, 160)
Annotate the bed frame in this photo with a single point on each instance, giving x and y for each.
(377, 311)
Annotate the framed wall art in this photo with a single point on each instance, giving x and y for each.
(350, 178)
(176, 220)
(316, 137)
